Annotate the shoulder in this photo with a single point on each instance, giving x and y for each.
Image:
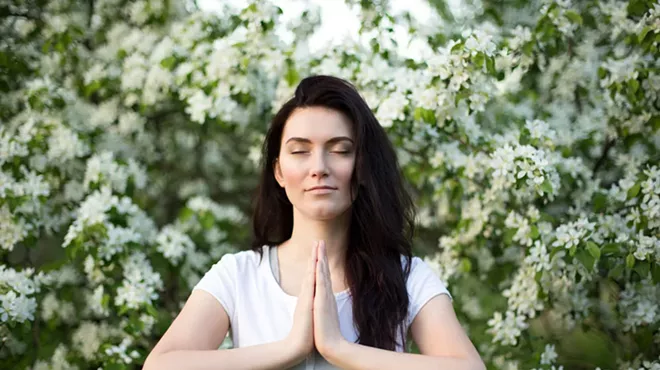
(243, 261)
(423, 284)
(423, 276)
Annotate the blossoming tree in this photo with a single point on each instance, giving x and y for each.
(130, 132)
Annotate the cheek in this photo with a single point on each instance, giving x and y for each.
(344, 172)
(292, 173)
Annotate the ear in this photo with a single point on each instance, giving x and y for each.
(278, 172)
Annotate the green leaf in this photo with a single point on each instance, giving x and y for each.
(632, 192)
(534, 233)
(490, 65)
(633, 85)
(185, 214)
(593, 249)
(643, 34)
(610, 248)
(115, 366)
(630, 261)
(92, 88)
(636, 8)
(546, 187)
(573, 16)
(466, 265)
(616, 272)
(292, 76)
(571, 251)
(151, 310)
(105, 300)
(642, 268)
(538, 276)
(418, 114)
(479, 59)
(207, 220)
(554, 251)
(122, 310)
(168, 62)
(599, 202)
(654, 123)
(426, 115)
(508, 235)
(585, 258)
(655, 273)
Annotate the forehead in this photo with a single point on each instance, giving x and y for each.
(317, 124)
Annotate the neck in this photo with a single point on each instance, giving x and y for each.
(307, 231)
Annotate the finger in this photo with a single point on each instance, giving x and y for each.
(325, 254)
(320, 278)
(326, 274)
(312, 258)
(310, 281)
(312, 265)
(323, 257)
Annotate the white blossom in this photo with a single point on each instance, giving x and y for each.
(140, 284)
(549, 355)
(506, 329)
(173, 244)
(391, 109)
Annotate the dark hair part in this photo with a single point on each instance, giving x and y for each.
(382, 219)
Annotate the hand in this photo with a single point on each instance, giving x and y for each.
(301, 336)
(327, 336)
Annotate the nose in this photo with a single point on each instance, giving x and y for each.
(319, 166)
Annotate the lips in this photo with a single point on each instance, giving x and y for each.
(322, 188)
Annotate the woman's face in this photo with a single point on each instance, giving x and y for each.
(316, 161)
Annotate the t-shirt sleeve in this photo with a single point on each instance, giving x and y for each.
(423, 284)
(220, 282)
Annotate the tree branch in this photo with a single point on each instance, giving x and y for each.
(607, 145)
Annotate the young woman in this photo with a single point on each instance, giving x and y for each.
(330, 281)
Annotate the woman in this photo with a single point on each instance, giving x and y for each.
(330, 281)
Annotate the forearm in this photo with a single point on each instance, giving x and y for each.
(359, 357)
(275, 355)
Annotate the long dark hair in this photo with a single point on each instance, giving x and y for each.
(382, 220)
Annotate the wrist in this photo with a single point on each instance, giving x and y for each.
(334, 353)
(293, 349)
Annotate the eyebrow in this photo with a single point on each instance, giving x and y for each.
(331, 141)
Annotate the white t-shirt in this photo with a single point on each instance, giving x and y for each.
(261, 312)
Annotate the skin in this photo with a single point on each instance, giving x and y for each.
(321, 158)
(316, 149)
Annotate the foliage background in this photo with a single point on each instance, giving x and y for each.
(129, 143)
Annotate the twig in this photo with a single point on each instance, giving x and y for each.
(606, 148)
(35, 335)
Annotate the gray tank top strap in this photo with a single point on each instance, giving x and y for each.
(274, 263)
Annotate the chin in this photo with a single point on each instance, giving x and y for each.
(324, 213)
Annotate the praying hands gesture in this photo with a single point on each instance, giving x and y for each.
(315, 320)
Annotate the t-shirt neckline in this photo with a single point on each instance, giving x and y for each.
(269, 276)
